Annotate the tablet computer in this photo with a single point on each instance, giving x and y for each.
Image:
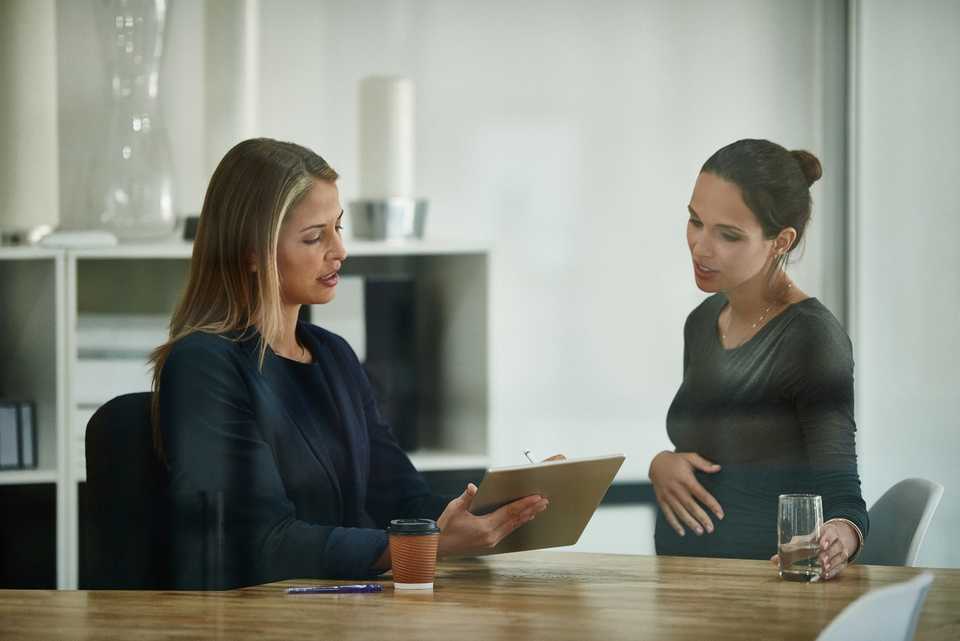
(574, 487)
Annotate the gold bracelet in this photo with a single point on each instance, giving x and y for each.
(856, 529)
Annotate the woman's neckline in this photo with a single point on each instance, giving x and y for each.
(304, 343)
(774, 320)
(292, 361)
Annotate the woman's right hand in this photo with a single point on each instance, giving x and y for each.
(463, 533)
(680, 494)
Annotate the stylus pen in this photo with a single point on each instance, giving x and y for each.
(337, 589)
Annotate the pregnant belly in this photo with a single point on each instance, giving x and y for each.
(749, 527)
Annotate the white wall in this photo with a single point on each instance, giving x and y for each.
(907, 260)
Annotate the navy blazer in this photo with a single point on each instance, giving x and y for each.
(254, 491)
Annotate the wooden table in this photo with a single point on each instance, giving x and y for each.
(525, 596)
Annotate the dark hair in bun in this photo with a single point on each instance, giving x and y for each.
(775, 183)
(809, 165)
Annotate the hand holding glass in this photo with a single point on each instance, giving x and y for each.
(799, 524)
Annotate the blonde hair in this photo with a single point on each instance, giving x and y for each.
(234, 284)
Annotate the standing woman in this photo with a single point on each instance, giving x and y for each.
(270, 420)
(766, 403)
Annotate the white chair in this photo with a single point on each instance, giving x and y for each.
(899, 521)
(887, 614)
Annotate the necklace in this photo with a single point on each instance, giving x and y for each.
(753, 327)
(303, 355)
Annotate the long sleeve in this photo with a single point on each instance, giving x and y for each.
(235, 522)
(823, 397)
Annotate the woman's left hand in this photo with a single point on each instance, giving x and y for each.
(838, 542)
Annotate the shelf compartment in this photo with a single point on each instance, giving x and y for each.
(31, 344)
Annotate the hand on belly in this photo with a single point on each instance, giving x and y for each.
(681, 496)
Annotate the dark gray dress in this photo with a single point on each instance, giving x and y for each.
(777, 414)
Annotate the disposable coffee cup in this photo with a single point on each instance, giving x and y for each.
(413, 547)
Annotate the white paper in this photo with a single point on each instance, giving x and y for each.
(117, 335)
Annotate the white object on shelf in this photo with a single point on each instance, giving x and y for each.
(71, 239)
(231, 59)
(115, 335)
(386, 137)
(29, 183)
(96, 381)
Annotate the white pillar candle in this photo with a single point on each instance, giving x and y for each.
(386, 137)
(29, 155)
(231, 69)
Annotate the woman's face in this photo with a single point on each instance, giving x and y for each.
(310, 248)
(725, 238)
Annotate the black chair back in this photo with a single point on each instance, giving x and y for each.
(127, 534)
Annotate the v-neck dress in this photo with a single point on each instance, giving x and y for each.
(776, 413)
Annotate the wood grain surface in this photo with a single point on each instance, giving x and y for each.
(525, 596)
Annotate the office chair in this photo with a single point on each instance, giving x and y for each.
(139, 534)
(127, 534)
(899, 521)
(887, 614)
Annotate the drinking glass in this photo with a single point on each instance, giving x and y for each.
(799, 522)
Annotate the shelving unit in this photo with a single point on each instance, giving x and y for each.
(45, 292)
(32, 341)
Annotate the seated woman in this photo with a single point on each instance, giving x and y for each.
(270, 421)
(766, 403)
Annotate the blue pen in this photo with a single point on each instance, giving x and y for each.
(358, 588)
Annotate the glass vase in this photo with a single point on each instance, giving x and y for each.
(136, 198)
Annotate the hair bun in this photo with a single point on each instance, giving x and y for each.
(808, 164)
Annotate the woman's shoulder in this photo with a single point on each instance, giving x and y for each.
(810, 316)
(813, 329)
(705, 314)
(209, 347)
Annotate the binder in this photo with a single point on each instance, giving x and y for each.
(9, 437)
(28, 437)
(18, 435)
